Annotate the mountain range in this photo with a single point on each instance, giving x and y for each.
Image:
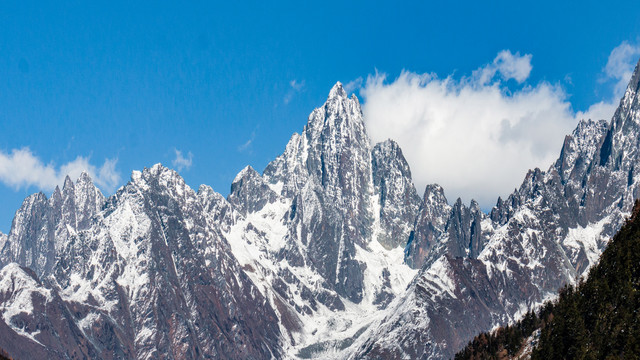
(331, 252)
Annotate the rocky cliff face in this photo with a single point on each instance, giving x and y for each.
(34, 232)
(330, 252)
(397, 197)
(327, 172)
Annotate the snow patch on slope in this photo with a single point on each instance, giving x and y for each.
(18, 290)
(587, 239)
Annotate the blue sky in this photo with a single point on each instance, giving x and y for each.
(118, 86)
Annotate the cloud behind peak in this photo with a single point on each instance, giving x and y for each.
(473, 135)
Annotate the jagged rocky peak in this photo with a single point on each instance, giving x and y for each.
(30, 241)
(77, 202)
(249, 192)
(153, 263)
(337, 91)
(619, 149)
(247, 173)
(42, 226)
(434, 198)
(340, 113)
(546, 233)
(206, 193)
(85, 185)
(163, 180)
(502, 212)
(201, 282)
(326, 172)
(333, 156)
(88, 198)
(579, 148)
(56, 196)
(504, 209)
(465, 230)
(536, 184)
(160, 172)
(67, 211)
(333, 149)
(430, 226)
(217, 207)
(214, 203)
(444, 229)
(397, 196)
(68, 185)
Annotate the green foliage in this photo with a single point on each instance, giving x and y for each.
(597, 319)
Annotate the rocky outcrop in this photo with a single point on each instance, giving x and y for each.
(397, 196)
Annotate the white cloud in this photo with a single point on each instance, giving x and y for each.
(295, 86)
(353, 85)
(508, 65)
(247, 145)
(600, 110)
(620, 65)
(20, 168)
(108, 175)
(180, 162)
(472, 135)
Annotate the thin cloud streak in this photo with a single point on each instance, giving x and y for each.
(181, 162)
(295, 87)
(618, 70)
(246, 147)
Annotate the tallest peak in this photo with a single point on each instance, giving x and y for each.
(337, 91)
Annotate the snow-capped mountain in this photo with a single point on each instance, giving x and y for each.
(319, 229)
(330, 252)
(148, 275)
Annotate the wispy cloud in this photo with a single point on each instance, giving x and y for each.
(181, 162)
(353, 85)
(20, 168)
(247, 145)
(295, 87)
(507, 65)
(471, 134)
(618, 70)
(620, 65)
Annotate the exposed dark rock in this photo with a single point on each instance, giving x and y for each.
(397, 196)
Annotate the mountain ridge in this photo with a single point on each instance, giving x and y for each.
(330, 252)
